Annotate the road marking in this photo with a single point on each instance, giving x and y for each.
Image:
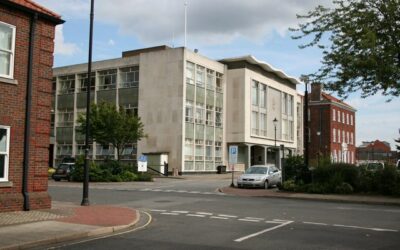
(196, 215)
(249, 220)
(158, 210)
(253, 218)
(273, 222)
(366, 228)
(181, 191)
(369, 209)
(207, 193)
(170, 213)
(263, 231)
(156, 190)
(278, 220)
(227, 215)
(204, 213)
(180, 212)
(315, 223)
(217, 217)
(194, 192)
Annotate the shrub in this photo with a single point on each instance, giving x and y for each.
(295, 169)
(144, 177)
(344, 188)
(289, 185)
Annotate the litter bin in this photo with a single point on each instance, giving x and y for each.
(221, 169)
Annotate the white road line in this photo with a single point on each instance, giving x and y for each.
(170, 213)
(181, 191)
(249, 220)
(315, 223)
(261, 232)
(217, 217)
(204, 213)
(158, 210)
(253, 218)
(180, 212)
(145, 189)
(366, 228)
(207, 193)
(196, 215)
(227, 215)
(156, 190)
(194, 192)
(273, 222)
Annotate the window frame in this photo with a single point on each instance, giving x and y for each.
(6, 154)
(11, 52)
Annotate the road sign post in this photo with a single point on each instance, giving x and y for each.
(142, 163)
(233, 155)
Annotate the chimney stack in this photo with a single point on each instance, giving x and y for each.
(316, 91)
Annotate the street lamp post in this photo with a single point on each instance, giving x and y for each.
(319, 146)
(275, 121)
(85, 196)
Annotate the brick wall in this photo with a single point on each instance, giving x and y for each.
(12, 106)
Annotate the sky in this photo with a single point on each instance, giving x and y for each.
(218, 29)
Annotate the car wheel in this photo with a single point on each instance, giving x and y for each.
(57, 179)
(266, 184)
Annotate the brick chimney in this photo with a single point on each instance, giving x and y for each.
(316, 90)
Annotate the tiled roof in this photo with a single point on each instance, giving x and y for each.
(334, 99)
(36, 7)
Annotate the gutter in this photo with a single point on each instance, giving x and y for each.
(28, 109)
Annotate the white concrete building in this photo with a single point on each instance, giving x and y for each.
(192, 107)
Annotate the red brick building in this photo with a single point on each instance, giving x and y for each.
(375, 151)
(26, 59)
(332, 126)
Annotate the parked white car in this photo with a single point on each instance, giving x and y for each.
(260, 176)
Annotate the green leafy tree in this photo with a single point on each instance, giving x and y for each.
(111, 126)
(398, 141)
(363, 49)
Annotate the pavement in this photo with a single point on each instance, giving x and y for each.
(63, 222)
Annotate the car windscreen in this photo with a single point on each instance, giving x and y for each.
(63, 166)
(256, 170)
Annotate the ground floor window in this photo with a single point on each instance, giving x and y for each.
(4, 152)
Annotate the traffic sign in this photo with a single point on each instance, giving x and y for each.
(142, 163)
(233, 154)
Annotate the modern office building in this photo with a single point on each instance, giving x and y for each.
(192, 107)
(332, 128)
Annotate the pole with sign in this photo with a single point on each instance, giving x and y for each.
(233, 155)
(142, 163)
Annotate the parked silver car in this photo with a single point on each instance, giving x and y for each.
(260, 176)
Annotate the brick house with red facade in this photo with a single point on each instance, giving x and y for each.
(26, 58)
(332, 126)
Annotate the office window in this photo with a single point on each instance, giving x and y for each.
(107, 79)
(64, 150)
(129, 77)
(218, 117)
(218, 151)
(67, 84)
(351, 119)
(80, 149)
(189, 111)
(218, 82)
(347, 119)
(254, 93)
(129, 151)
(199, 150)
(343, 119)
(7, 47)
(199, 113)
(263, 95)
(188, 149)
(210, 79)
(200, 76)
(131, 109)
(263, 124)
(209, 115)
(4, 152)
(209, 150)
(83, 82)
(104, 151)
(334, 135)
(254, 123)
(65, 117)
(333, 115)
(338, 116)
(189, 72)
(338, 136)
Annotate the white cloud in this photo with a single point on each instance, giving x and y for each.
(111, 42)
(62, 47)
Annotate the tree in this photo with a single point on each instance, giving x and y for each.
(363, 50)
(111, 126)
(398, 141)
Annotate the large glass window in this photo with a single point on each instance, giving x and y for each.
(263, 124)
(200, 76)
(218, 117)
(219, 82)
(107, 79)
(188, 149)
(199, 113)
(209, 115)
(333, 115)
(104, 151)
(189, 111)
(65, 117)
(67, 84)
(189, 72)
(64, 150)
(254, 123)
(199, 150)
(7, 47)
(263, 96)
(129, 152)
(254, 93)
(209, 150)
(83, 82)
(218, 151)
(4, 152)
(129, 77)
(210, 79)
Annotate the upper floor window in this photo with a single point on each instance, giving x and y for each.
(129, 77)
(343, 119)
(333, 115)
(67, 84)
(4, 152)
(189, 111)
(107, 79)
(219, 82)
(200, 76)
(83, 81)
(189, 72)
(263, 95)
(338, 116)
(210, 79)
(7, 47)
(334, 135)
(347, 119)
(351, 119)
(254, 93)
